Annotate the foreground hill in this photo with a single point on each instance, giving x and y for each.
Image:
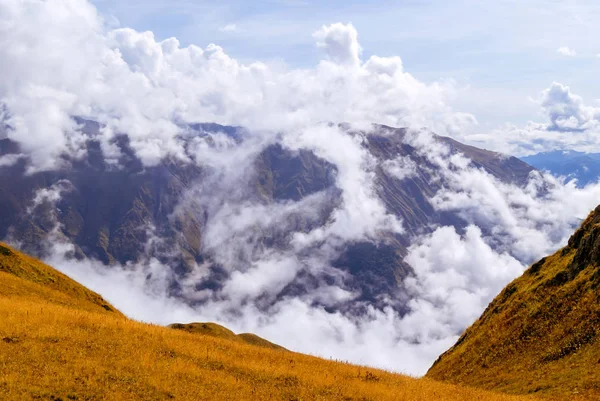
(542, 333)
(60, 341)
(25, 278)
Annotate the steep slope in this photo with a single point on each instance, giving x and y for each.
(542, 333)
(23, 277)
(59, 342)
(118, 211)
(110, 213)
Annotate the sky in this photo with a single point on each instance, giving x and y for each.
(501, 54)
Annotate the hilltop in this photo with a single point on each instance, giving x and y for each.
(541, 334)
(61, 341)
(216, 330)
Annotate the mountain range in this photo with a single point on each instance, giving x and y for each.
(539, 336)
(124, 212)
(584, 167)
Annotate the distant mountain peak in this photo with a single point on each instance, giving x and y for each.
(571, 164)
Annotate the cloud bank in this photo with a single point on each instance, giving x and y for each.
(456, 273)
(60, 60)
(572, 125)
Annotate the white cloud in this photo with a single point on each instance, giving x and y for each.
(455, 279)
(456, 274)
(363, 213)
(49, 195)
(572, 124)
(400, 167)
(340, 43)
(566, 111)
(528, 222)
(10, 159)
(131, 83)
(229, 28)
(566, 51)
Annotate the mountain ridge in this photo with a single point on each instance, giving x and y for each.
(24, 276)
(584, 167)
(541, 333)
(111, 214)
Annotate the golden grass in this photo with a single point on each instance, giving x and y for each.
(56, 348)
(24, 276)
(216, 330)
(540, 335)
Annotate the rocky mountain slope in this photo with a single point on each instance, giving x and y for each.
(60, 341)
(123, 212)
(542, 333)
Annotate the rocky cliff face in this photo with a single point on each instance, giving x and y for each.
(123, 213)
(542, 333)
(586, 242)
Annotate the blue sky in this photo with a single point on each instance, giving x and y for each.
(504, 51)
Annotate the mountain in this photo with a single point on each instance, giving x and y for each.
(542, 333)
(585, 167)
(122, 212)
(60, 341)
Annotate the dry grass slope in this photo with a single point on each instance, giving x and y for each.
(22, 276)
(216, 330)
(542, 333)
(59, 342)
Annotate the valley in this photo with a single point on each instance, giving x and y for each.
(60, 341)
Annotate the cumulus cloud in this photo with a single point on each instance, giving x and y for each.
(229, 28)
(134, 84)
(566, 51)
(340, 43)
(566, 111)
(455, 279)
(572, 125)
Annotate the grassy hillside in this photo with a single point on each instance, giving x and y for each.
(23, 277)
(215, 330)
(59, 341)
(541, 334)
